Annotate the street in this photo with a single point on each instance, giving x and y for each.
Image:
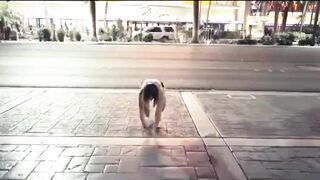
(218, 67)
(70, 111)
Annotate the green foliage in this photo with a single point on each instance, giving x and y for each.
(114, 33)
(61, 33)
(148, 38)
(247, 41)
(285, 39)
(230, 35)
(14, 35)
(71, 35)
(267, 40)
(46, 34)
(78, 36)
(305, 42)
(9, 17)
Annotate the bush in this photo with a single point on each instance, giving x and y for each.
(108, 39)
(137, 37)
(78, 36)
(61, 34)
(46, 34)
(230, 35)
(247, 41)
(305, 42)
(302, 42)
(285, 39)
(148, 38)
(14, 35)
(71, 35)
(251, 41)
(242, 41)
(308, 29)
(7, 31)
(267, 40)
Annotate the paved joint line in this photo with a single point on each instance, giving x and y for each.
(207, 128)
(20, 100)
(200, 119)
(101, 141)
(269, 142)
(278, 93)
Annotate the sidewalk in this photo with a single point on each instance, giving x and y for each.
(96, 134)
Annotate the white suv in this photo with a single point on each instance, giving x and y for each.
(159, 32)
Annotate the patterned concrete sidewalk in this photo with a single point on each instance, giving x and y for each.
(104, 162)
(96, 134)
(59, 113)
(272, 135)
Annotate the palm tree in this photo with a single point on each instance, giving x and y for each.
(93, 16)
(285, 15)
(306, 3)
(315, 26)
(208, 19)
(195, 33)
(105, 14)
(277, 5)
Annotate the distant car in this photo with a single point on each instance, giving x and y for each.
(161, 33)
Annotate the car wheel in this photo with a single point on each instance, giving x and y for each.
(164, 39)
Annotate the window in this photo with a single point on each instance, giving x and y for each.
(156, 29)
(168, 29)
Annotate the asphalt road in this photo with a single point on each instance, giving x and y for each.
(220, 67)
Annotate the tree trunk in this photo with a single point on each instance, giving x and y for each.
(312, 11)
(207, 33)
(93, 16)
(276, 16)
(285, 16)
(195, 33)
(315, 25)
(303, 14)
(105, 15)
(264, 6)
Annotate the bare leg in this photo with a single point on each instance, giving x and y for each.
(147, 108)
(158, 116)
(141, 111)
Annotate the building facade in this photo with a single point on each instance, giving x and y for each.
(241, 16)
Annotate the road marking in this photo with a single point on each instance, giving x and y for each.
(255, 69)
(200, 119)
(310, 67)
(20, 100)
(282, 70)
(270, 70)
(241, 96)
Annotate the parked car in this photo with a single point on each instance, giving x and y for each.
(161, 33)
